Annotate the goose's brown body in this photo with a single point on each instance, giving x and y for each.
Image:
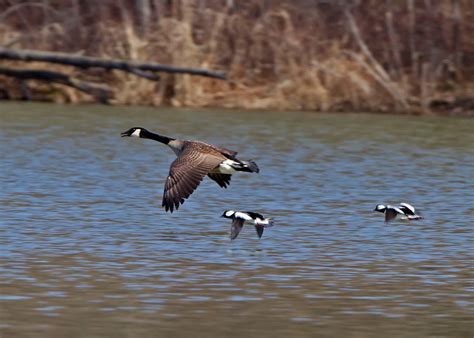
(195, 160)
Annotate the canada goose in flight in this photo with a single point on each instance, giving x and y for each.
(239, 218)
(194, 160)
(404, 212)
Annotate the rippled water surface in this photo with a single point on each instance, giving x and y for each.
(87, 251)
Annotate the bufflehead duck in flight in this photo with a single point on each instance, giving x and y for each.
(239, 218)
(404, 212)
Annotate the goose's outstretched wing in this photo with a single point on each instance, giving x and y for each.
(186, 173)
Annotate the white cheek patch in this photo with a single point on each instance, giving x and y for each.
(229, 213)
(136, 133)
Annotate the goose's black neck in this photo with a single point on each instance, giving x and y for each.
(152, 136)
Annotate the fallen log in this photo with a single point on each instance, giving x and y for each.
(100, 92)
(139, 68)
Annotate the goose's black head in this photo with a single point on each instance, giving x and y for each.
(135, 132)
(228, 214)
(380, 208)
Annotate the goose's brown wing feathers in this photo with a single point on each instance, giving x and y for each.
(224, 151)
(227, 153)
(222, 179)
(186, 173)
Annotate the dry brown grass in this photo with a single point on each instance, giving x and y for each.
(279, 55)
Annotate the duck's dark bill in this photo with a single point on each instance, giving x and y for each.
(125, 133)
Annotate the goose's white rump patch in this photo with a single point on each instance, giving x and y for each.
(226, 167)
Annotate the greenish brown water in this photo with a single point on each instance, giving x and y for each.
(87, 251)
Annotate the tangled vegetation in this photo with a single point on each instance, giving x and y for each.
(406, 56)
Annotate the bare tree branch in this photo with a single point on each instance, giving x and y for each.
(87, 62)
(101, 93)
(394, 42)
(411, 33)
(373, 66)
(387, 85)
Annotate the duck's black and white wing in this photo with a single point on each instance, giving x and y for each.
(408, 209)
(186, 173)
(237, 225)
(255, 215)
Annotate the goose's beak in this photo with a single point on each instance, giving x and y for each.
(125, 133)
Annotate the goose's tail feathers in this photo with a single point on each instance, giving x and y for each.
(251, 166)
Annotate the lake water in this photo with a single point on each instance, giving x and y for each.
(87, 251)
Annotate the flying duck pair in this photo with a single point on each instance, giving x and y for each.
(195, 160)
(403, 212)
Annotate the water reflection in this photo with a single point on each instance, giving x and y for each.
(87, 250)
